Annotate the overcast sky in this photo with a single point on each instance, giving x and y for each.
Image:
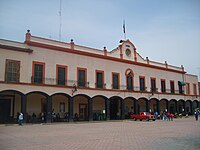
(163, 30)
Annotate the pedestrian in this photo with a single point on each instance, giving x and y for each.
(20, 119)
(196, 115)
(156, 114)
(33, 117)
(42, 115)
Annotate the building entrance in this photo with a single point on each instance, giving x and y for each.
(114, 109)
(83, 112)
(5, 106)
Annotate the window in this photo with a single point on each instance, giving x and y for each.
(129, 83)
(82, 77)
(195, 89)
(61, 75)
(129, 79)
(163, 85)
(153, 85)
(180, 87)
(115, 80)
(62, 107)
(128, 52)
(172, 87)
(188, 88)
(142, 83)
(99, 79)
(38, 72)
(12, 72)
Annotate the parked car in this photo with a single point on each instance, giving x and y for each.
(143, 116)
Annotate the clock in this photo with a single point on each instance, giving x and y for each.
(128, 52)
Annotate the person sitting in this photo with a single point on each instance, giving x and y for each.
(33, 117)
(58, 117)
(66, 117)
(75, 117)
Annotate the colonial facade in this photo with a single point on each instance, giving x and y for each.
(43, 76)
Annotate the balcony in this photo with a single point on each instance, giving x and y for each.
(53, 81)
(78, 84)
(154, 90)
(100, 85)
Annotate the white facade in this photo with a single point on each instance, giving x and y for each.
(121, 60)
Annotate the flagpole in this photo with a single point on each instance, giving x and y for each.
(124, 29)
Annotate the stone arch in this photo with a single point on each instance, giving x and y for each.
(188, 107)
(143, 104)
(173, 106)
(81, 107)
(154, 105)
(181, 106)
(129, 106)
(164, 103)
(195, 104)
(99, 107)
(60, 106)
(116, 107)
(10, 105)
(36, 105)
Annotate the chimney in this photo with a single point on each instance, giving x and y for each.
(147, 58)
(105, 51)
(166, 64)
(28, 36)
(72, 44)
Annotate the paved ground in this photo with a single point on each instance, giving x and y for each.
(180, 134)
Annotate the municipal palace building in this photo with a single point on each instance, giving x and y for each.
(66, 82)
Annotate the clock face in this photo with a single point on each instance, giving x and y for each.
(128, 52)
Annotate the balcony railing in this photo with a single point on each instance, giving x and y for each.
(53, 81)
(100, 85)
(72, 83)
(154, 90)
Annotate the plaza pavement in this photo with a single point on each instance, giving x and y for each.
(180, 134)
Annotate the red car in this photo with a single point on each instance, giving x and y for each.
(143, 116)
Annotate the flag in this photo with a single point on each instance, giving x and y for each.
(124, 27)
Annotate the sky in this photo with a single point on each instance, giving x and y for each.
(163, 30)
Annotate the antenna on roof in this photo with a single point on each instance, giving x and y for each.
(60, 21)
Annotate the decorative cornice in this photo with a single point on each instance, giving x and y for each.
(14, 48)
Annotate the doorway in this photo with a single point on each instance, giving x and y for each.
(83, 112)
(114, 109)
(5, 106)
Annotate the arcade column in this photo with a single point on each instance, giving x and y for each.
(71, 109)
(90, 109)
(107, 104)
(49, 109)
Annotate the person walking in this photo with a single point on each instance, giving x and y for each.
(196, 115)
(20, 119)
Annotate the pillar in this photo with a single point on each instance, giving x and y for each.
(168, 106)
(176, 109)
(23, 106)
(147, 105)
(191, 108)
(90, 109)
(107, 104)
(158, 106)
(135, 106)
(184, 107)
(71, 109)
(49, 109)
(122, 109)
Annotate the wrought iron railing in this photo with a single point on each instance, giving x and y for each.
(78, 84)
